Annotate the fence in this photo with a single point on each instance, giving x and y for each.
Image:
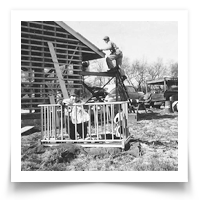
(90, 124)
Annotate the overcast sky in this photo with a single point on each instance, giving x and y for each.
(137, 40)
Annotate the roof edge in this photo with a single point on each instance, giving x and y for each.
(161, 80)
(81, 38)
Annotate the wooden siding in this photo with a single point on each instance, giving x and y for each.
(39, 79)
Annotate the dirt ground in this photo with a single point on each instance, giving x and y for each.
(153, 147)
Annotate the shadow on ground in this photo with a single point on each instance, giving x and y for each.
(155, 115)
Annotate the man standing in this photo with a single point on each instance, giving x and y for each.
(115, 54)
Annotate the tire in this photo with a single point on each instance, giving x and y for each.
(151, 104)
(157, 106)
(147, 105)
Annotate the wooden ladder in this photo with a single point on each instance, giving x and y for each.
(119, 80)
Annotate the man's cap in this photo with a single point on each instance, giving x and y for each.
(106, 38)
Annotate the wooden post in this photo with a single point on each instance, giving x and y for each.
(97, 122)
(116, 79)
(58, 71)
(42, 122)
(48, 135)
(168, 106)
(52, 101)
(30, 69)
(146, 86)
(165, 85)
(89, 111)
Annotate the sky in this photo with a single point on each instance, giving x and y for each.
(137, 39)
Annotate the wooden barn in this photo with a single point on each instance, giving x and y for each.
(39, 79)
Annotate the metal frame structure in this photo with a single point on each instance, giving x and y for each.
(104, 126)
(163, 81)
(119, 84)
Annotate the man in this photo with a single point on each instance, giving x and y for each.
(115, 54)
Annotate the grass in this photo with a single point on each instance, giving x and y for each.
(154, 147)
(155, 164)
(51, 161)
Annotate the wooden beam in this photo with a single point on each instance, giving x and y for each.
(39, 29)
(108, 74)
(81, 38)
(61, 43)
(44, 83)
(37, 67)
(58, 71)
(59, 48)
(48, 36)
(73, 55)
(43, 23)
(26, 128)
(48, 57)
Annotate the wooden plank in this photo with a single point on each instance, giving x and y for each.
(29, 98)
(37, 62)
(58, 71)
(46, 52)
(73, 55)
(50, 79)
(25, 67)
(44, 83)
(26, 128)
(33, 103)
(35, 67)
(40, 57)
(40, 29)
(61, 43)
(59, 48)
(48, 36)
(49, 57)
(45, 93)
(108, 74)
(43, 23)
(75, 84)
(51, 99)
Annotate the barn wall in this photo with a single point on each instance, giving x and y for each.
(38, 76)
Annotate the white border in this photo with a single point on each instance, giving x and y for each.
(18, 176)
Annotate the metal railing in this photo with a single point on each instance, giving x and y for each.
(90, 124)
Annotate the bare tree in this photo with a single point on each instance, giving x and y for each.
(174, 69)
(139, 73)
(136, 72)
(126, 66)
(156, 70)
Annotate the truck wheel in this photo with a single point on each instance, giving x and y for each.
(175, 106)
(157, 106)
(151, 105)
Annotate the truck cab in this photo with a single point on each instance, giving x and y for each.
(161, 90)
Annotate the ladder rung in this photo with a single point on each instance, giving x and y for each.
(124, 89)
